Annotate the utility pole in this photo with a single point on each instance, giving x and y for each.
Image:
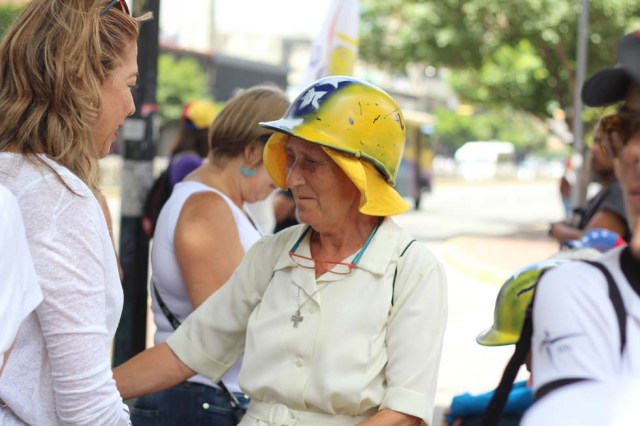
(140, 135)
(579, 192)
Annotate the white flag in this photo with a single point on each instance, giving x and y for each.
(335, 51)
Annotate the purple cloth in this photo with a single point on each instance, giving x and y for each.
(181, 166)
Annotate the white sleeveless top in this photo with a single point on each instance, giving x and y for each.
(166, 275)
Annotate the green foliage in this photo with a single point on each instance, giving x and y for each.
(179, 81)
(7, 15)
(452, 130)
(519, 54)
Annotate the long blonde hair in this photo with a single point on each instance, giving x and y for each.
(53, 60)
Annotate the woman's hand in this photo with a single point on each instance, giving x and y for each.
(391, 418)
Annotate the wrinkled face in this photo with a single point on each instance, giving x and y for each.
(117, 101)
(324, 195)
(627, 165)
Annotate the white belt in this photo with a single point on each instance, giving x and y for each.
(281, 415)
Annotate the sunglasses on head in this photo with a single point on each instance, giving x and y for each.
(618, 129)
(121, 4)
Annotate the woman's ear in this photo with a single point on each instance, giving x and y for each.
(253, 153)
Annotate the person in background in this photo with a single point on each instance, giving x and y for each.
(508, 317)
(68, 69)
(187, 154)
(606, 209)
(576, 318)
(284, 209)
(192, 144)
(202, 233)
(567, 181)
(19, 293)
(341, 318)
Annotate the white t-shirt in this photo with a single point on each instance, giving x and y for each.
(19, 293)
(166, 275)
(59, 371)
(576, 332)
(610, 403)
(368, 341)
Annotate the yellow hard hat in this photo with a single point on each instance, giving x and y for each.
(511, 304)
(361, 128)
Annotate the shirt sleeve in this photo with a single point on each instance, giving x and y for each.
(415, 334)
(573, 326)
(211, 339)
(20, 293)
(69, 252)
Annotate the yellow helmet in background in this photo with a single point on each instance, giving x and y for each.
(511, 304)
(198, 115)
(356, 123)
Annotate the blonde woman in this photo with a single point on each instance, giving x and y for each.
(202, 234)
(67, 70)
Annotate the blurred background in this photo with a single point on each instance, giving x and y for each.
(490, 93)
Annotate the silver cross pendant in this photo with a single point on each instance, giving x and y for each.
(297, 318)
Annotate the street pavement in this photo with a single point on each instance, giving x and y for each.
(482, 232)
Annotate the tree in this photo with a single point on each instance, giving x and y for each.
(452, 129)
(519, 54)
(8, 14)
(179, 81)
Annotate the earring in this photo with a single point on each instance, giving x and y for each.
(246, 172)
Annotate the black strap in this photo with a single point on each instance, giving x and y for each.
(238, 412)
(556, 384)
(616, 300)
(395, 273)
(175, 323)
(494, 410)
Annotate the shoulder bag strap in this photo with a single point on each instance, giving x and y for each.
(175, 323)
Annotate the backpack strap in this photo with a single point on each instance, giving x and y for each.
(616, 300)
(496, 405)
(621, 315)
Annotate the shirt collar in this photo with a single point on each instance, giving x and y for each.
(374, 260)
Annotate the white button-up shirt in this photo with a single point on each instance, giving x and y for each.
(368, 341)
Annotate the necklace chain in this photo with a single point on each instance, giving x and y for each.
(297, 317)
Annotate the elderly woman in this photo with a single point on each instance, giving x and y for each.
(341, 318)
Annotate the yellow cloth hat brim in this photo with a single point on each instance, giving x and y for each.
(377, 196)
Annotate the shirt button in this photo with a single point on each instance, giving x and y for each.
(205, 405)
(299, 362)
